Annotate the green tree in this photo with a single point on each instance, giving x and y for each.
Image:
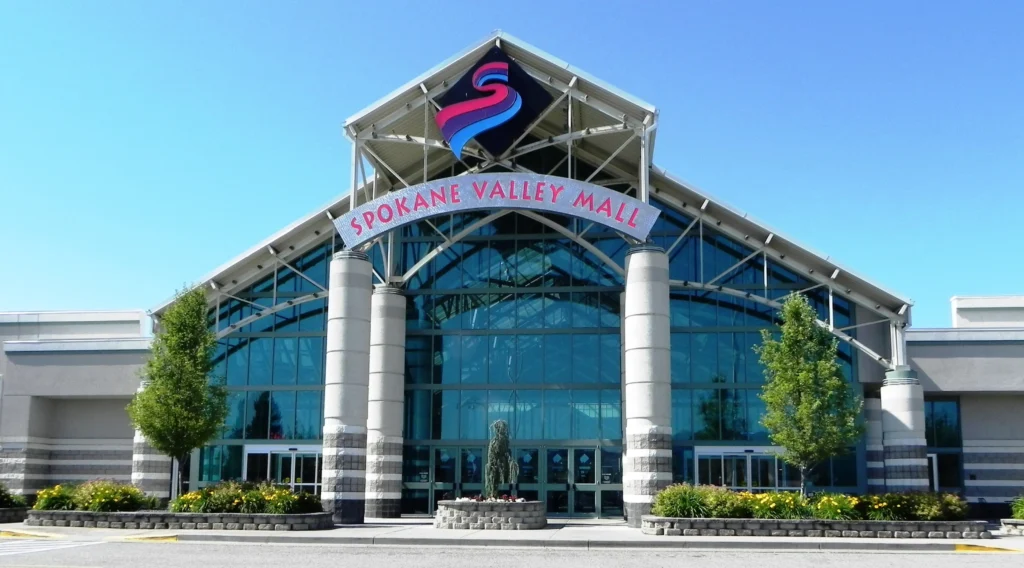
(183, 406)
(811, 410)
(501, 464)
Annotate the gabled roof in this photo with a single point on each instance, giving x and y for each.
(395, 116)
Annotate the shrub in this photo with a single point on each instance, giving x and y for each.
(725, 504)
(56, 498)
(233, 497)
(9, 500)
(1017, 508)
(108, 496)
(887, 507)
(682, 500)
(835, 507)
(781, 505)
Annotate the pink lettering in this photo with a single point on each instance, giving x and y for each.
(581, 201)
(420, 202)
(618, 214)
(401, 206)
(480, 189)
(636, 211)
(556, 190)
(497, 190)
(526, 191)
(435, 197)
(368, 219)
(355, 225)
(539, 196)
(385, 208)
(606, 206)
(454, 189)
(512, 190)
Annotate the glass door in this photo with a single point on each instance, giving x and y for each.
(583, 494)
(297, 468)
(458, 472)
(528, 484)
(557, 484)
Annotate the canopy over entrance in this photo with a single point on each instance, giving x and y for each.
(502, 109)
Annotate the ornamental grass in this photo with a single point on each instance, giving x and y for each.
(1017, 508)
(703, 501)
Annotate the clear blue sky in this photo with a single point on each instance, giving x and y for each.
(143, 144)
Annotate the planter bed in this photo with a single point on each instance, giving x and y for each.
(1013, 527)
(164, 520)
(668, 526)
(490, 515)
(13, 515)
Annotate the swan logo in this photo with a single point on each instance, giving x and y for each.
(492, 104)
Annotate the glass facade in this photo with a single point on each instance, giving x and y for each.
(945, 446)
(520, 323)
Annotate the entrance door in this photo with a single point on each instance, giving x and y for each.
(297, 468)
(582, 482)
(457, 472)
(744, 470)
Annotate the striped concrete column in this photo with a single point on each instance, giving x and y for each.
(151, 470)
(386, 404)
(903, 436)
(648, 393)
(875, 448)
(346, 371)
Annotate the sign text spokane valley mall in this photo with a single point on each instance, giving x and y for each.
(546, 194)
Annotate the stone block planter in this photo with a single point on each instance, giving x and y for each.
(13, 515)
(164, 520)
(493, 515)
(670, 526)
(1013, 527)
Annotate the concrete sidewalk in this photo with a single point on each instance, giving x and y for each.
(576, 534)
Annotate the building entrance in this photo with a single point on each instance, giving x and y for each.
(294, 467)
(576, 482)
(755, 470)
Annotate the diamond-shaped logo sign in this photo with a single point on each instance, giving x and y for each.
(585, 459)
(493, 103)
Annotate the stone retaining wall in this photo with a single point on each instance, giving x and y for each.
(1013, 527)
(13, 515)
(667, 526)
(157, 520)
(494, 516)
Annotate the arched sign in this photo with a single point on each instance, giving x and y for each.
(545, 194)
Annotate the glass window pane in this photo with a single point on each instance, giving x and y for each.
(586, 312)
(950, 477)
(501, 406)
(680, 345)
(416, 464)
(703, 310)
(311, 361)
(448, 311)
(472, 465)
(584, 358)
(611, 465)
(731, 363)
(704, 357)
(418, 360)
(945, 424)
(417, 415)
(611, 353)
(755, 411)
(282, 415)
(447, 359)
(474, 359)
(611, 414)
(503, 311)
(474, 316)
(586, 414)
(444, 465)
(682, 428)
(313, 315)
(261, 358)
(530, 311)
(285, 363)
(844, 470)
(446, 415)
(308, 422)
(529, 462)
(238, 362)
(734, 414)
(529, 416)
(682, 464)
(258, 416)
(557, 310)
(707, 415)
(610, 309)
(557, 413)
(679, 310)
(234, 425)
(558, 466)
(557, 359)
(754, 371)
(505, 366)
(473, 415)
(418, 308)
(528, 366)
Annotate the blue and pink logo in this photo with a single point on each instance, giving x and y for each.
(462, 121)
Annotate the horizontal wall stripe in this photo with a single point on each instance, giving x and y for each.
(138, 476)
(993, 450)
(647, 476)
(342, 496)
(60, 476)
(383, 477)
(974, 458)
(872, 464)
(993, 483)
(983, 474)
(632, 498)
(893, 462)
(987, 466)
(382, 457)
(343, 473)
(876, 481)
(151, 458)
(990, 499)
(994, 444)
(8, 440)
(648, 453)
(344, 451)
(383, 496)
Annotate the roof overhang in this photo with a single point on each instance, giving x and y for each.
(401, 136)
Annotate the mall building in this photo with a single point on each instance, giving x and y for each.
(509, 249)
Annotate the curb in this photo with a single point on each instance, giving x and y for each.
(22, 534)
(809, 545)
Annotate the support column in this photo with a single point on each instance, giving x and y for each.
(874, 446)
(648, 392)
(347, 370)
(151, 470)
(386, 404)
(903, 434)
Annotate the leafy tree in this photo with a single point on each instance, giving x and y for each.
(811, 410)
(183, 407)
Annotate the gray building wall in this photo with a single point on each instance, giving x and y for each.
(960, 361)
(876, 337)
(993, 434)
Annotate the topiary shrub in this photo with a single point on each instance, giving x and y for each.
(9, 500)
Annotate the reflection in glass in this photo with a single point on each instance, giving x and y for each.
(444, 465)
(308, 423)
(558, 466)
(311, 361)
(282, 404)
(472, 465)
(584, 465)
(529, 463)
(416, 464)
(557, 415)
(611, 465)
